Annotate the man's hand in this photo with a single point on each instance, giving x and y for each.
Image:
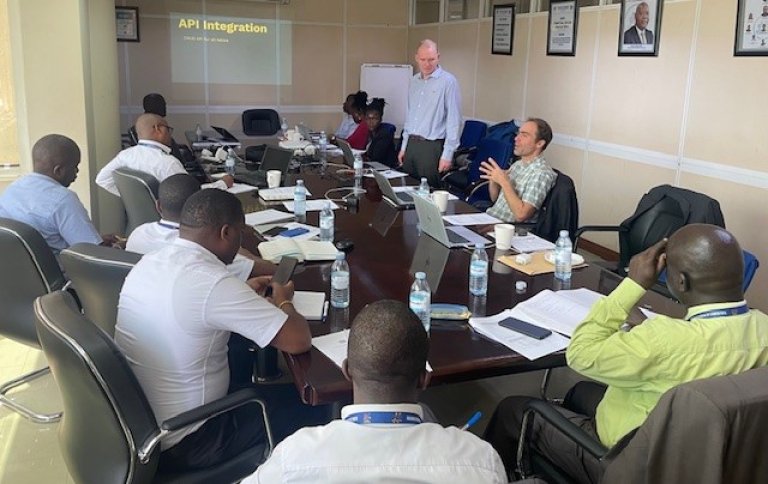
(400, 158)
(491, 171)
(113, 240)
(444, 165)
(228, 180)
(259, 284)
(645, 267)
(281, 292)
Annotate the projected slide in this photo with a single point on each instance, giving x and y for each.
(230, 50)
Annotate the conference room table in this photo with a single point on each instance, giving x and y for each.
(388, 249)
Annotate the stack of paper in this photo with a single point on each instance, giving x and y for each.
(559, 311)
(279, 193)
(266, 217)
(310, 250)
(309, 304)
(240, 188)
(529, 347)
(471, 219)
(313, 205)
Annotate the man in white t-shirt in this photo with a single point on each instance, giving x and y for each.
(382, 437)
(176, 312)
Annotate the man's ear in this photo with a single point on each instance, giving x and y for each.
(345, 370)
(424, 379)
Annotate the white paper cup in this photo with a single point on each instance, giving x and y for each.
(440, 197)
(273, 178)
(504, 234)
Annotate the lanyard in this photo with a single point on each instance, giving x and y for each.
(384, 418)
(719, 313)
(154, 147)
(168, 226)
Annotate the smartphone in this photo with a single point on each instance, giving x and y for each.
(274, 231)
(293, 232)
(283, 273)
(527, 329)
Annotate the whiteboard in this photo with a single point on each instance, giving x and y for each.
(389, 81)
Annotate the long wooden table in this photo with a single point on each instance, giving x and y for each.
(385, 242)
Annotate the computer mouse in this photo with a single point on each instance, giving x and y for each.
(344, 245)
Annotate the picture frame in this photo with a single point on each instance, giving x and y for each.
(751, 28)
(634, 40)
(127, 24)
(503, 32)
(561, 27)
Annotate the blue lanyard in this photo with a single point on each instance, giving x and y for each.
(384, 418)
(168, 226)
(154, 147)
(720, 313)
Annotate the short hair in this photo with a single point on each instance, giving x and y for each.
(211, 208)
(428, 44)
(146, 124)
(154, 103)
(543, 131)
(387, 344)
(52, 150)
(174, 191)
(377, 105)
(360, 100)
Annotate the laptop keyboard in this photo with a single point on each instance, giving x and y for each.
(255, 178)
(405, 197)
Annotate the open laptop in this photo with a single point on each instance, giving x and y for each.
(431, 222)
(273, 159)
(400, 200)
(430, 258)
(349, 158)
(226, 136)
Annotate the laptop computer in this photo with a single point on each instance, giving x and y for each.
(225, 135)
(349, 158)
(273, 159)
(399, 200)
(431, 222)
(430, 258)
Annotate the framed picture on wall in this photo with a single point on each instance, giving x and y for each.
(751, 28)
(561, 32)
(127, 22)
(503, 29)
(639, 27)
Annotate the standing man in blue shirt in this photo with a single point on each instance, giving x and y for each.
(43, 201)
(431, 131)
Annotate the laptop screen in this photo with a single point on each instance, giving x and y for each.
(276, 159)
(225, 135)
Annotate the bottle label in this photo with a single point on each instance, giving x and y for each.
(340, 280)
(478, 268)
(326, 222)
(418, 301)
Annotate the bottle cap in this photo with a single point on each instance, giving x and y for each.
(521, 286)
(563, 233)
(479, 245)
(421, 275)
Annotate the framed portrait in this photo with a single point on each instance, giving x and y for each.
(751, 28)
(127, 22)
(561, 32)
(640, 27)
(503, 29)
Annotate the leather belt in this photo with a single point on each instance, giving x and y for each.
(421, 138)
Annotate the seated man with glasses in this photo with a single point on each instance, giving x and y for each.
(152, 155)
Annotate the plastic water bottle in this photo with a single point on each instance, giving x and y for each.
(229, 163)
(284, 127)
(300, 199)
(423, 188)
(478, 271)
(340, 282)
(358, 170)
(326, 223)
(420, 300)
(563, 251)
(199, 133)
(323, 142)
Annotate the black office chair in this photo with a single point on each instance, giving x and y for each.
(559, 211)
(706, 431)
(29, 270)
(462, 182)
(109, 433)
(97, 275)
(138, 191)
(260, 122)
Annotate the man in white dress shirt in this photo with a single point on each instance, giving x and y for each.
(151, 155)
(382, 436)
(177, 309)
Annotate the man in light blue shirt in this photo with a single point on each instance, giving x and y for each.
(431, 131)
(43, 201)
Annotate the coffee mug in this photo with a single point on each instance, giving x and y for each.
(273, 178)
(504, 234)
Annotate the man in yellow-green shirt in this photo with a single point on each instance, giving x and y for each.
(720, 335)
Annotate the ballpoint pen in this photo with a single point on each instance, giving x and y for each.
(325, 312)
(472, 420)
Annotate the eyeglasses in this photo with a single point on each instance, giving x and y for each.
(169, 128)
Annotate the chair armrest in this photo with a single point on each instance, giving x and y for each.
(568, 428)
(593, 228)
(452, 171)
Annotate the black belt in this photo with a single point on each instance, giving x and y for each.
(421, 138)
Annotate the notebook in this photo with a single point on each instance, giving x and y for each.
(431, 222)
(304, 250)
(399, 200)
(279, 193)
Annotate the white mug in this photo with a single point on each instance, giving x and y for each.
(273, 178)
(440, 197)
(504, 234)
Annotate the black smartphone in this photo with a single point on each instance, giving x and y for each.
(527, 329)
(283, 273)
(274, 231)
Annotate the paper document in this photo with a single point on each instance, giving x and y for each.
(240, 188)
(531, 243)
(413, 188)
(309, 304)
(559, 311)
(472, 237)
(313, 205)
(388, 174)
(471, 219)
(280, 193)
(266, 217)
(334, 346)
(531, 348)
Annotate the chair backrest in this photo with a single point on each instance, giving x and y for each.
(706, 431)
(390, 127)
(97, 274)
(260, 122)
(29, 270)
(472, 133)
(751, 264)
(107, 418)
(138, 190)
(559, 210)
(646, 227)
(501, 151)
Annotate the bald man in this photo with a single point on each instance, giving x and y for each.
(719, 335)
(151, 155)
(43, 201)
(382, 437)
(433, 120)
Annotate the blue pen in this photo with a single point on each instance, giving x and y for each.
(472, 420)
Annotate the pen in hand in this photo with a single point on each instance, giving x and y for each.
(472, 420)
(325, 312)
